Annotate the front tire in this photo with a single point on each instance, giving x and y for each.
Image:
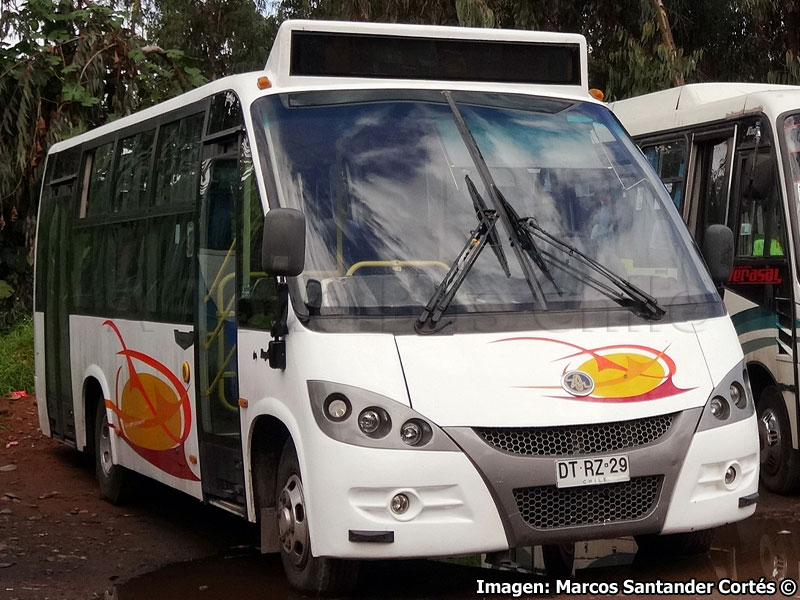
(114, 480)
(319, 575)
(780, 463)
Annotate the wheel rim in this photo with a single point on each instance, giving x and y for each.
(292, 527)
(769, 436)
(105, 448)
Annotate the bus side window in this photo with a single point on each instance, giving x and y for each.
(132, 173)
(669, 161)
(96, 192)
(759, 231)
(177, 160)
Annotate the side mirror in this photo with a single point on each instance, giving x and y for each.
(283, 247)
(718, 252)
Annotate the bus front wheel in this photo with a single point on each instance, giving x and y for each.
(780, 463)
(113, 479)
(304, 571)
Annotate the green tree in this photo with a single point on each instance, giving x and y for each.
(644, 64)
(63, 69)
(224, 36)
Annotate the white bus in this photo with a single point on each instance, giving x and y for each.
(274, 293)
(729, 153)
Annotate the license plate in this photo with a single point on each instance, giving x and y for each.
(592, 471)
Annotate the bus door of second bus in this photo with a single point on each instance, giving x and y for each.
(761, 266)
(217, 366)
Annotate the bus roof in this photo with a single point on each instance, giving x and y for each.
(702, 103)
(317, 55)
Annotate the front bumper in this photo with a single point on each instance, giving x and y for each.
(486, 499)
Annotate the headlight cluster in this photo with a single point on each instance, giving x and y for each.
(357, 416)
(720, 406)
(731, 401)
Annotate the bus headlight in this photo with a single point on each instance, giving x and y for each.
(362, 418)
(730, 402)
(738, 396)
(374, 422)
(719, 408)
(415, 432)
(337, 407)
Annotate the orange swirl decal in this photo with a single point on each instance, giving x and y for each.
(620, 373)
(153, 412)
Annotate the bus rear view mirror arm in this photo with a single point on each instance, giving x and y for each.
(283, 251)
(283, 247)
(718, 252)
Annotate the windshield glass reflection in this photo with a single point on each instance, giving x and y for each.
(382, 179)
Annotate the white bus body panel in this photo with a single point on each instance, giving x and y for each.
(39, 378)
(514, 379)
(700, 499)
(349, 487)
(165, 450)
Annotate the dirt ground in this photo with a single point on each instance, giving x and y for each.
(59, 539)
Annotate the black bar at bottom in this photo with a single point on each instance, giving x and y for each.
(375, 537)
(748, 500)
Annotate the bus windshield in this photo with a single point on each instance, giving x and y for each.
(383, 178)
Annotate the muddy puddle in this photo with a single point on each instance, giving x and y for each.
(758, 547)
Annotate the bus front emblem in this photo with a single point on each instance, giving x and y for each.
(577, 383)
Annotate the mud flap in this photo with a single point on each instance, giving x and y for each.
(270, 541)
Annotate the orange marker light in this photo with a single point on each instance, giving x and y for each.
(193, 459)
(186, 372)
(597, 94)
(264, 83)
(243, 402)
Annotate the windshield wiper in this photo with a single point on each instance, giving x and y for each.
(525, 240)
(453, 279)
(648, 306)
(498, 202)
(494, 239)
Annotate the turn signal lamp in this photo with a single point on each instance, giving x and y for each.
(597, 94)
(264, 83)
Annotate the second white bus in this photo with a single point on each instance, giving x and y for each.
(729, 153)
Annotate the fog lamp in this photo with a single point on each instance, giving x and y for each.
(399, 504)
(730, 475)
(720, 408)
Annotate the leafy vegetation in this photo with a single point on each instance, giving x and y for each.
(16, 358)
(71, 65)
(64, 67)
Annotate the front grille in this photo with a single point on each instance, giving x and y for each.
(549, 507)
(577, 439)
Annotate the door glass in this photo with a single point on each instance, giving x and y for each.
(217, 296)
(258, 295)
(716, 186)
(669, 161)
(760, 228)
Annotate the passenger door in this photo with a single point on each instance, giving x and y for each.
(216, 341)
(761, 268)
(56, 212)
